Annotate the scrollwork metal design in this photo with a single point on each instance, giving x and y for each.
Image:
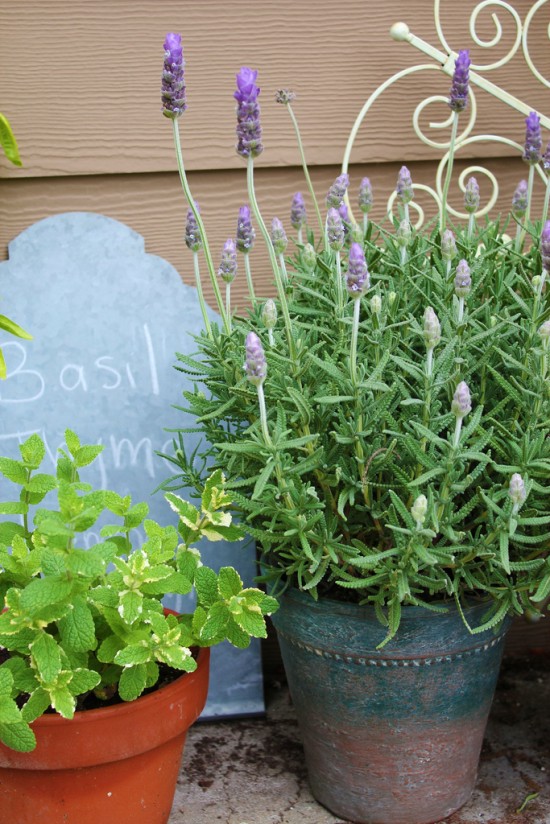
(444, 62)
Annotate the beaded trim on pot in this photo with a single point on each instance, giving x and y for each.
(363, 661)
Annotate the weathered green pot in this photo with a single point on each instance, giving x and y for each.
(391, 736)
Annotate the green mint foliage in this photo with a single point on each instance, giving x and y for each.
(328, 496)
(80, 620)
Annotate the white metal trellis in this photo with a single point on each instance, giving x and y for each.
(445, 62)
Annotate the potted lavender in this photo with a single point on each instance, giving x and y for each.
(386, 444)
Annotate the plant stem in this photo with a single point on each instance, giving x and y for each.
(272, 258)
(530, 182)
(339, 284)
(228, 302)
(249, 279)
(283, 268)
(200, 224)
(202, 302)
(471, 225)
(446, 185)
(305, 168)
(546, 202)
(354, 337)
(263, 416)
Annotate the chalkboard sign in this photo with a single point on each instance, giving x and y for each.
(107, 319)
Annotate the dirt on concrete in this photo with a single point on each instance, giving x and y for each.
(251, 771)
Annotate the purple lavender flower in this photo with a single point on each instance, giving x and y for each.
(335, 229)
(245, 231)
(343, 212)
(533, 139)
(249, 130)
(228, 265)
(404, 188)
(463, 280)
(365, 198)
(278, 236)
(545, 246)
(357, 276)
(173, 84)
(471, 196)
(448, 245)
(458, 96)
(284, 96)
(255, 364)
(337, 191)
(462, 402)
(520, 200)
(546, 159)
(193, 238)
(298, 211)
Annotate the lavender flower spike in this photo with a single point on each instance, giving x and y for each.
(463, 280)
(278, 236)
(520, 199)
(471, 196)
(365, 198)
(544, 333)
(545, 246)
(335, 230)
(533, 139)
(458, 96)
(173, 84)
(249, 130)
(357, 276)
(337, 191)
(245, 231)
(516, 490)
(269, 314)
(448, 245)
(404, 189)
(228, 265)
(298, 211)
(193, 239)
(546, 159)
(255, 364)
(432, 328)
(462, 402)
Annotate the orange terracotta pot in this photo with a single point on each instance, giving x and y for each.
(117, 764)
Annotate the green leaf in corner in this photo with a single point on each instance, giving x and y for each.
(13, 328)
(8, 141)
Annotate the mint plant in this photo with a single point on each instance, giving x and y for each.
(80, 621)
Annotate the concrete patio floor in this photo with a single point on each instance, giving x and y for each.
(252, 771)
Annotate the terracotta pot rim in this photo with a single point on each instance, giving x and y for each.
(125, 707)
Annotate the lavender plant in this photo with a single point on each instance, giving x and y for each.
(88, 623)
(387, 438)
